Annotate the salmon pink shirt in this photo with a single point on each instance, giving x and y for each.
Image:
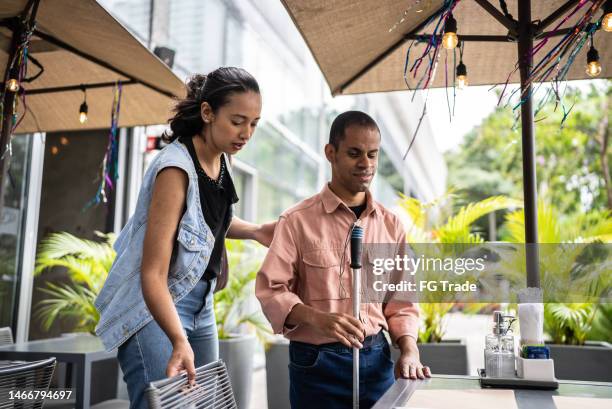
(303, 266)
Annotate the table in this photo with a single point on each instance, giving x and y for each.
(399, 394)
(79, 350)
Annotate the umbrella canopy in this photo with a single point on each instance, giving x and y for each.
(360, 45)
(80, 43)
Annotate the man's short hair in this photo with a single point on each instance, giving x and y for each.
(347, 119)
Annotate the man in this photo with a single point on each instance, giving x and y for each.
(304, 285)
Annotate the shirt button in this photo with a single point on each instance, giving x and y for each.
(192, 242)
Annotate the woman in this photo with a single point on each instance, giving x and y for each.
(156, 305)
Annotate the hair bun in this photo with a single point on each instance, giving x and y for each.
(195, 86)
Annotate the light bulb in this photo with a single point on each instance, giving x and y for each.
(593, 69)
(450, 41)
(462, 81)
(606, 23)
(83, 113)
(13, 85)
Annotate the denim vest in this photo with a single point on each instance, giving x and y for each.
(120, 303)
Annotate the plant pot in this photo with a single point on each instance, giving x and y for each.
(448, 357)
(277, 374)
(237, 353)
(589, 362)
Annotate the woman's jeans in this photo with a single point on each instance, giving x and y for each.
(144, 357)
(321, 376)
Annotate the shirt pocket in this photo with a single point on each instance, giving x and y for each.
(322, 277)
(190, 239)
(185, 254)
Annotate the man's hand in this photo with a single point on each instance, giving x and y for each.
(343, 327)
(409, 364)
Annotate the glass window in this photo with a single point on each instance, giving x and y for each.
(11, 226)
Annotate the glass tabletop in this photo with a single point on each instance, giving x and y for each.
(402, 393)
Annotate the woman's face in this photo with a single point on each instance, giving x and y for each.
(231, 127)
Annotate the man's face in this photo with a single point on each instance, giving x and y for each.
(355, 161)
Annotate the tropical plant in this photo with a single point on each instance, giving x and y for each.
(573, 165)
(573, 260)
(438, 232)
(87, 263)
(569, 323)
(232, 309)
(601, 330)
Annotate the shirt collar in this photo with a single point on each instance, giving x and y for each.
(331, 201)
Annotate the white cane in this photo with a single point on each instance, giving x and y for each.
(356, 243)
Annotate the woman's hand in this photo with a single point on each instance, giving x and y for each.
(265, 233)
(182, 360)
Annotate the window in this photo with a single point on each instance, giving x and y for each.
(11, 227)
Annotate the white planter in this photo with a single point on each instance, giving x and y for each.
(237, 353)
(277, 374)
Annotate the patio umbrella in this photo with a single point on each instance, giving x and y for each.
(361, 46)
(80, 51)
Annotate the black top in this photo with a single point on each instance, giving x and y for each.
(358, 209)
(216, 197)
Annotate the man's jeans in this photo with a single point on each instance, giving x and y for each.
(144, 357)
(322, 376)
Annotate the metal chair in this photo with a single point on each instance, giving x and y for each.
(212, 390)
(6, 336)
(20, 376)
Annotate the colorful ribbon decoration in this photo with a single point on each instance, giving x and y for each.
(109, 166)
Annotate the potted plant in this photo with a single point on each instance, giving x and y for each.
(87, 264)
(239, 318)
(438, 232)
(577, 331)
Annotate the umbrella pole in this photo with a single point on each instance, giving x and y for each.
(28, 17)
(8, 99)
(525, 48)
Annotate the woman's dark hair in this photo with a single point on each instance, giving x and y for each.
(214, 88)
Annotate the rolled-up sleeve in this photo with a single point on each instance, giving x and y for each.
(276, 280)
(402, 319)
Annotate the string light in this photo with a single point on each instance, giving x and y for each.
(461, 73)
(462, 79)
(12, 85)
(83, 108)
(606, 22)
(450, 39)
(593, 67)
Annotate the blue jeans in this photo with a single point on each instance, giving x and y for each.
(321, 376)
(144, 357)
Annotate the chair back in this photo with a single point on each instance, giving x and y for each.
(24, 376)
(6, 336)
(212, 390)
